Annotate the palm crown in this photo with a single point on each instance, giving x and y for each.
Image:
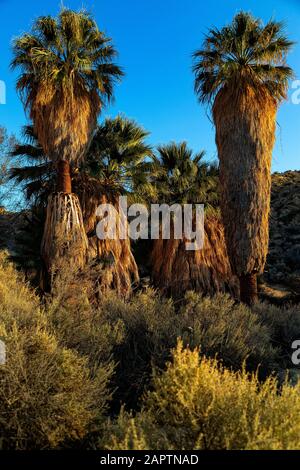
(67, 66)
(118, 156)
(184, 177)
(243, 52)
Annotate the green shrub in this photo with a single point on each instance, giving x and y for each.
(284, 326)
(198, 404)
(150, 327)
(151, 324)
(17, 301)
(230, 331)
(57, 381)
(140, 332)
(49, 396)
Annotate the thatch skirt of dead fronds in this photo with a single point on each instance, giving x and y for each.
(120, 270)
(64, 120)
(176, 270)
(245, 120)
(64, 234)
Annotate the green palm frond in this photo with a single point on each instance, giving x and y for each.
(63, 50)
(67, 68)
(183, 177)
(247, 50)
(35, 174)
(117, 156)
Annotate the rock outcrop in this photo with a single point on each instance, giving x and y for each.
(283, 262)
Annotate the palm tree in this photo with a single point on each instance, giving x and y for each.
(116, 163)
(184, 178)
(67, 76)
(241, 73)
(118, 157)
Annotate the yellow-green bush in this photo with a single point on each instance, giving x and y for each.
(133, 332)
(198, 404)
(80, 325)
(49, 396)
(230, 330)
(17, 301)
(56, 383)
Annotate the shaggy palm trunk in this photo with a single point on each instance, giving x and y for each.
(245, 121)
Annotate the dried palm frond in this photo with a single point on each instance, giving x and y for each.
(63, 121)
(176, 270)
(120, 270)
(64, 231)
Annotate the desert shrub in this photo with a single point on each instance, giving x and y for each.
(198, 404)
(140, 332)
(78, 323)
(48, 393)
(151, 325)
(284, 326)
(17, 301)
(230, 331)
(134, 333)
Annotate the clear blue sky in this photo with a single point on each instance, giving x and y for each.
(155, 40)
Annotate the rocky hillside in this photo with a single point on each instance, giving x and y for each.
(283, 264)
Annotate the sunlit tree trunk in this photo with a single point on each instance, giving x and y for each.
(64, 183)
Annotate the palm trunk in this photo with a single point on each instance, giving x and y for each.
(245, 136)
(64, 183)
(64, 236)
(248, 289)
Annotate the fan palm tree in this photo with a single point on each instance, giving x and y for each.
(117, 163)
(185, 178)
(67, 76)
(182, 177)
(119, 157)
(241, 73)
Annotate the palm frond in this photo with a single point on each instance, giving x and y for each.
(242, 53)
(67, 64)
